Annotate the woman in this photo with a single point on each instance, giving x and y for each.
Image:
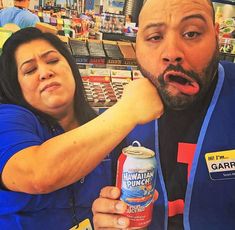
(51, 140)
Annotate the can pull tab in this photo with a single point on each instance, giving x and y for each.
(137, 143)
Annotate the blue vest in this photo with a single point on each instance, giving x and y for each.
(209, 204)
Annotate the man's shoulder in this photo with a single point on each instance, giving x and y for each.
(31, 15)
(229, 69)
(8, 14)
(27, 18)
(8, 10)
(228, 65)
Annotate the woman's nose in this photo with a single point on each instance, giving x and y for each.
(45, 74)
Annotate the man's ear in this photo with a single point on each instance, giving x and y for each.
(217, 29)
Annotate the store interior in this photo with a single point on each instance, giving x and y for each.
(101, 36)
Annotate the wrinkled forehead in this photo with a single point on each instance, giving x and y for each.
(26, 51)
(170, 9)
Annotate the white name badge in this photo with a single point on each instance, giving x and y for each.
(221, 165)
(84, 225)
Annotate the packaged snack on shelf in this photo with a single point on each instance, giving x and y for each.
(128, 53)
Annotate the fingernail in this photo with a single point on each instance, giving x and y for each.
(115, 192)
(119, 206)
(121, 221)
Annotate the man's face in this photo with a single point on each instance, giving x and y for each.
(177, 49)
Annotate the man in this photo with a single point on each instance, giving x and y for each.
(18, 14)
(177, 49)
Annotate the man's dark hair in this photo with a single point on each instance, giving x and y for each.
(9, 85)
(212, 8)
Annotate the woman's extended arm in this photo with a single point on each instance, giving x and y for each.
(66, 158)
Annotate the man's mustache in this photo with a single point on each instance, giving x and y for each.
(179, 68)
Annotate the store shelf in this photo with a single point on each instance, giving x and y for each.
(107, 66)
(225, 2)
(118, 37)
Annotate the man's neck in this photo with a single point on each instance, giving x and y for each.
(21, 4)
(20, 7)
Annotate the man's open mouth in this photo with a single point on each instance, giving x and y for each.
(182, 82)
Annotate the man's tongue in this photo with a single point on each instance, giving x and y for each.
(183, 83)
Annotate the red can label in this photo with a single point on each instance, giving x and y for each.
(136, 177)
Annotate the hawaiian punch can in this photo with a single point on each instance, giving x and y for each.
(136, 175)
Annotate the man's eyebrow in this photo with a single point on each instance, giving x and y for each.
(199, 16)
(154, 25)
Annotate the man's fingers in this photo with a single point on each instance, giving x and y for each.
(104, 205)
(110, 192)
(107, 209)
(110, 221)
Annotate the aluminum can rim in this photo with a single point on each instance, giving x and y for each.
(138, 151)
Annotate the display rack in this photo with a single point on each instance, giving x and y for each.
(107, 66)
(118, 37)
(104, 84)
(225, 2)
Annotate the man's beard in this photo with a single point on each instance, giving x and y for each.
(183, 101)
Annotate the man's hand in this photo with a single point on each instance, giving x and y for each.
(107, 210)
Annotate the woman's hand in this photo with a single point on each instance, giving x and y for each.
(142, 100)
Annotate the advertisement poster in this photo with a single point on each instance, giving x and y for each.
(90, 4)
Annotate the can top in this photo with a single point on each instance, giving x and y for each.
(138, 151)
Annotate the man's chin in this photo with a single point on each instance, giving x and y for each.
(176, 100)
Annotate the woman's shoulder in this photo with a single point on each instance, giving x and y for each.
(13, 107)
(17, 117)
(7, 110)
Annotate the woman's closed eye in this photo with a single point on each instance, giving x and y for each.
(29, 71)
(52, 61)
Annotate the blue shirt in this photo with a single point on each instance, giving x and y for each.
(20, 129)
(21, 17)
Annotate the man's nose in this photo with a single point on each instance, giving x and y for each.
(172, 51)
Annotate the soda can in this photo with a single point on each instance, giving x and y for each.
(136, 176)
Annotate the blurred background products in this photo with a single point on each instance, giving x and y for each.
(101, 34)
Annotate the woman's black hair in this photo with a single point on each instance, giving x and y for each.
(9, 84)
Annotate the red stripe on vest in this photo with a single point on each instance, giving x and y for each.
(185, 154)
(175, 207)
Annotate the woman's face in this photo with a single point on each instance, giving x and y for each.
(45, 78)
